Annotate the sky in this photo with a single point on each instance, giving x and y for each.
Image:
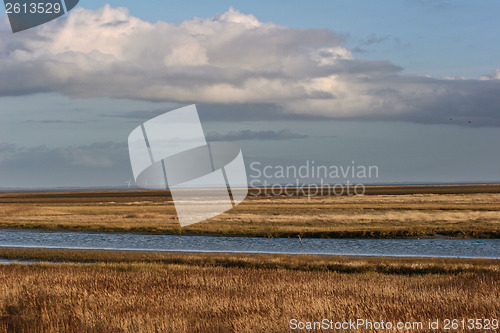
(409, 86)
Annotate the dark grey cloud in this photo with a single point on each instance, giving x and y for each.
(430, 100)
(374, 39)
(54, 121)
(284, 134)
(139, 115)
(250, 112)
(232, 112)
(358, 49)
(114, 23)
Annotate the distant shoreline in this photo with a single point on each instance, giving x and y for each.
(451, 188)
(135, 188)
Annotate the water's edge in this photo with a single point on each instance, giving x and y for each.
(320, 234)
(423, 247)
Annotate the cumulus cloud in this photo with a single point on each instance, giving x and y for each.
(284, 134)
(232, 58)
(494, 76)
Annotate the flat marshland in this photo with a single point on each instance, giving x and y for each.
(161, 292)
(107, 291)
(384, 212)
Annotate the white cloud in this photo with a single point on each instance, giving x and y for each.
(229, 58)
(494, 76)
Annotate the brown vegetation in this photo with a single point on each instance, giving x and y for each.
(158, 296)
(385, 212)
(386, 265)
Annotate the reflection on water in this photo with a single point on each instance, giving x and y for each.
(473, 248)
(15, 261)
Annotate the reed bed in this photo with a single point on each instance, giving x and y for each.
(340, 264)
(169, 297)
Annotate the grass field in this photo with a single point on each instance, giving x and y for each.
(152, 292)
(106, 291)
(386, 265)
(384, 212)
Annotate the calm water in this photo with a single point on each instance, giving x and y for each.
(473, 248)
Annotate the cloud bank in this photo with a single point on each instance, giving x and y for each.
(97, 155)
(231, 58)
(284, 134)
(99, 164)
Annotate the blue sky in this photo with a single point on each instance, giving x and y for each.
(410, 86)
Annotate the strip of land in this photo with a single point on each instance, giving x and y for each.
(140, 292)
(463, 211)
(341, 264)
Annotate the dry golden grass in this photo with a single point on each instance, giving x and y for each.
(386, 265)
(385, 212)
(157, 297)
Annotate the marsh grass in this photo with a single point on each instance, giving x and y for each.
(182, 297)
(385, 212)
(120, 291)
(342, 264)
